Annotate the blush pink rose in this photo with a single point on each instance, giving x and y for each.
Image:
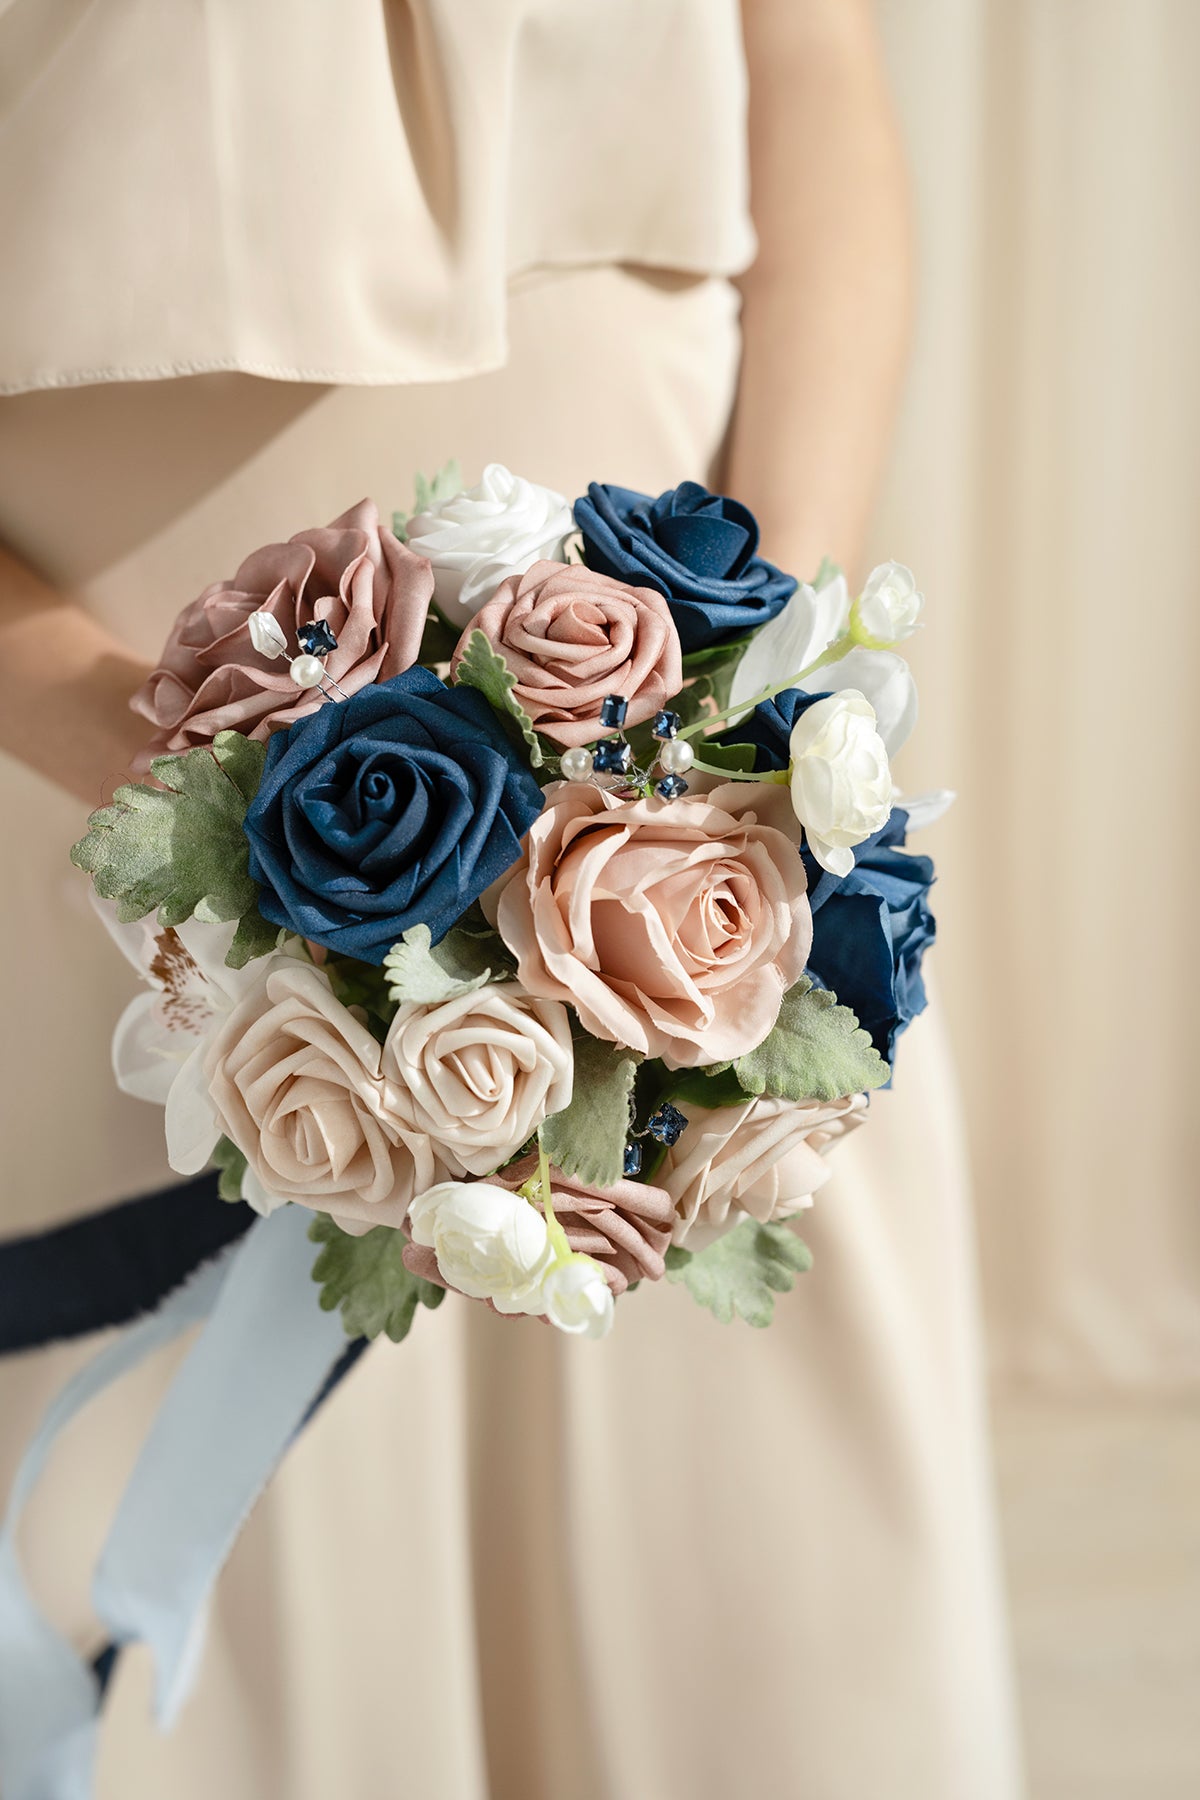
(673, 927)
(354, 574)
(763, 1160)
(572, 636)
(626, 1228)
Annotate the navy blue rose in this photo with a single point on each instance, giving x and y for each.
(696, 548)
(397, 807)
(871, 928)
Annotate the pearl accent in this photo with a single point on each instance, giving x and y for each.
(576, 763)
(306, 671)
(676, 756)
(266, 634)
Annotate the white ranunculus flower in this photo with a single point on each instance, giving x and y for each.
(498, 528)
(795, 637)
(887, 610)
(840, 781)
(884, 678)
(489, 1243)
(578, 1299)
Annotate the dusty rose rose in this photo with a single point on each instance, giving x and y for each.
(296, 1083)
(672, 927)
(479, 1073)
(626, 1227)
(571, 636)
(763, 1159)
(372, 591)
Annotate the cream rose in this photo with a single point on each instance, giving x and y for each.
(763, 1160)
(840, 780)
(578, 1299)
(295, 1081)
(672, 927)
(478, 1073)
(487, 1241)
(495, 529)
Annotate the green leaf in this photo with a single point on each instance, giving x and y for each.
(701, 1087)
(232, 1164)
(728, 756)
(588, 1137)
(253, 937)
(430, 492)
(439, 640)
(417, 969)
(828, 571)
(815, 1052)
(367, 1278)
(742, 1271)
(179, 848)
(482, 668)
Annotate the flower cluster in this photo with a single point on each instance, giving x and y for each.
(528, 881)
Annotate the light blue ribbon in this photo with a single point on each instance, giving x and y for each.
(227, 1419)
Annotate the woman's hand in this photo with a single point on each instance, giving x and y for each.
(67, 682)
(826, 305)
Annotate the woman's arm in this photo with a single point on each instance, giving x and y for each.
(64, 708)
(826, 306)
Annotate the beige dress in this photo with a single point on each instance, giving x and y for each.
(689, 1563)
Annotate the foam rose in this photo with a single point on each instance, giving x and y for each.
(353, 573)
(763, 1160)
(672, 927)
(296, 1083)
(480, 1072)
(572, 636)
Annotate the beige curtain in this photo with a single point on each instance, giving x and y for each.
(1046, 484)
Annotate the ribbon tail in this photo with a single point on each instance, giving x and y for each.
(49, 1697)
(251, 1380)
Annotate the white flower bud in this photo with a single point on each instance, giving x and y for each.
(578, 1299)
(840, 780)
(887, 610)
(490, 1244)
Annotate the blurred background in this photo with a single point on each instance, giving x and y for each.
(1045, 484)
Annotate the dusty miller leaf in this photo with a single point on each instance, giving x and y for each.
(587, 1138)
(232, 1165)
(429, 493)
(481, 667)
(180, 848)
(253, 937)
(742, 1271)
(367, 1278)
(708, 1088)
(418, 969)
(816, 1051)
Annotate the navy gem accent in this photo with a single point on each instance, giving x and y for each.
(612, 756)
(632, 1164)
(315, 638)
(670, 787)
(667, 1124)
(666, 725)
(613, 710)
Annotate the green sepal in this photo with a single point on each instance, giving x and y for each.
(481, 667)
(816, 1051)
(419, 970)
(232, 1164)
(367, 1278)
(742, 1271)
(587, 1138)
(180, 848)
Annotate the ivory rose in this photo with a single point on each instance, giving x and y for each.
(479, 1073)
(296, 1083)
(478, 536)
(763, 1160)
(673, 928)
(571, 637)
(353, 574)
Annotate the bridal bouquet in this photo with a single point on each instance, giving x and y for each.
(522, 890)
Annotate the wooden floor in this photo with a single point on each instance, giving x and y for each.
(1101, 1517)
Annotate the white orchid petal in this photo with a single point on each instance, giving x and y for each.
(887, 681)
(145, 1053)
(791, 640)
(191, 1123)
(926, 809)
(135, 941)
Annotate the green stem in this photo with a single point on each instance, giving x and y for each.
(777, 775)
(835, 651)
(558, 1237)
